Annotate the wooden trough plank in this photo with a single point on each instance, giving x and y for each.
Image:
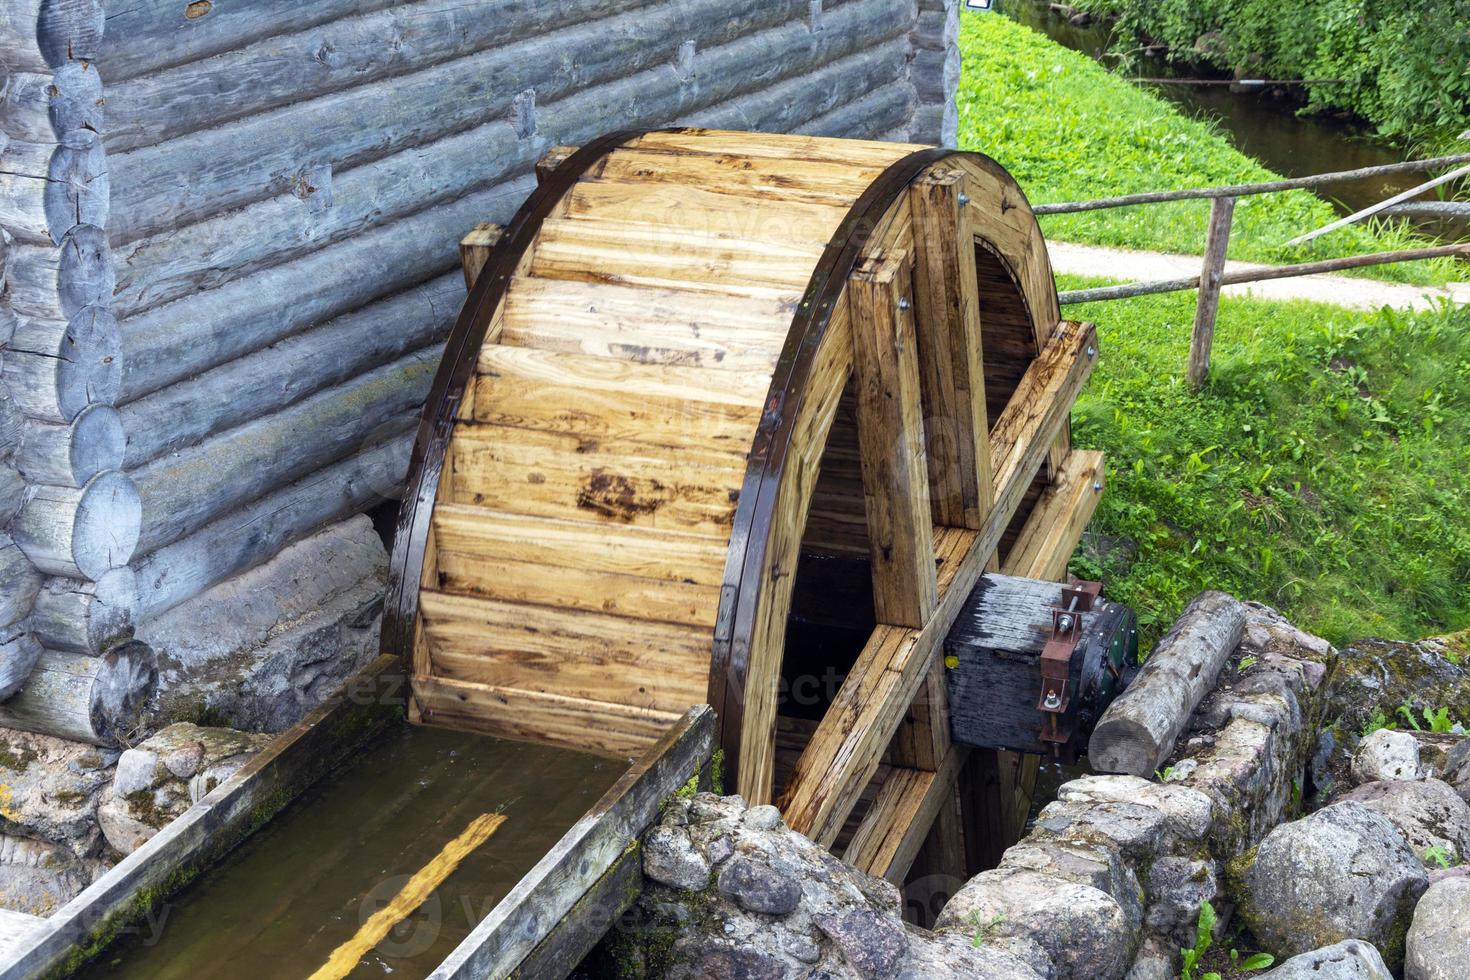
(757, 179)
(780, 147)
(549, 891)
(616, 731)
(121, 898)
(574, 653)
(949, 340)
(891, 433)
(690, 217)
(640, 254)
(600, 398)
(872, 700)
(548, 474)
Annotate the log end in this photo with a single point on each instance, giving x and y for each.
(126, 682)
(109, 519)
(1122, 745)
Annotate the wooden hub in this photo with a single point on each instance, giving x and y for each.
(695, 366)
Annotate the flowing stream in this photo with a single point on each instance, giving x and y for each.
(1260, 124)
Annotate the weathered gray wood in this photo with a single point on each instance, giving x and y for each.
(579, 931)
(61, 107)
(57, 282)
(12, 493)
(185, 179)
(367, 704)
(1137, 731)
(70, 454)
(1202, 339)
(55, 368)
(545, 895)
(19, 653)
(186, 490)
(19, 582)
(12, 425)
(250, 536)
(87, 617)
(87, 699)
(1246, 190)
(286, 372)
(874, 116)
(47, 189)
(17, 928)
(205, 255)
(81, 532)
(182, 339)
(352, 52)
(150, 35)
(40, 34)
(1263, 273)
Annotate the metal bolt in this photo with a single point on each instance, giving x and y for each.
(1097, 486)
(1091, 351)
(1053, 700)
(1064, 623)
(903, 303)
(964, 199)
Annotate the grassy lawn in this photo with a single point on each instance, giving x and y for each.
(1325, 469)
(1069, 130)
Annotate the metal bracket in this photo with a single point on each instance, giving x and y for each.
(1056, 659)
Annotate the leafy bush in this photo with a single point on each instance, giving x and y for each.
(1405, 66)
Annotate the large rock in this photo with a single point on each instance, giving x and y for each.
(733, 893)
(1457, 769)
(1345, 872)
(1083, 929)
(1439, 939)
(51, 848)
(1380, 675)
(1386, 755)
(1351, 959)
(1428, 813)
(165, 775)
(258, 651)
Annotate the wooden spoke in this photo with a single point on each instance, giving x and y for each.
(949, 335)
(891, 437)
(474, 250)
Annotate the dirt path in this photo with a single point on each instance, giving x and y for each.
(1361, 294)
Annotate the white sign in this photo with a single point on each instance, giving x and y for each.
(978, 4)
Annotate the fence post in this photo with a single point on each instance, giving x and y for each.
(1221, 211)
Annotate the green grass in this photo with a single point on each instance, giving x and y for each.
(1324, 469)
(1069, 130)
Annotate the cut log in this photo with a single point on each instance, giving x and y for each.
(86, 699)
(836, 99)
(253, 534)
(285, 67)
(68, 455)
(19, 582)
(87, 617)
(41, 34)
(81, 533)
(183, 180)
(149, 35)
(46, 190)
(55, 368)
(183, 492)
(289, 371)
(12, 493)
(1137, 731)
(19, 651)
(182, 339)
(57, 282)
(64, 107)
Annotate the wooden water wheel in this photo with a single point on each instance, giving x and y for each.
(699, 370)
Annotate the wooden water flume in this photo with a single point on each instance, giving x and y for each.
(695, 363)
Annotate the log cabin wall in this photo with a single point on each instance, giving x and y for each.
(231, 234)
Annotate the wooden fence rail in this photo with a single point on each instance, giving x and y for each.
(1213, 277)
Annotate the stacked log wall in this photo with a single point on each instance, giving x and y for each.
(69, 515)
(246, 242)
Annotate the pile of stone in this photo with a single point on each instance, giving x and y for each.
(1346, 856)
